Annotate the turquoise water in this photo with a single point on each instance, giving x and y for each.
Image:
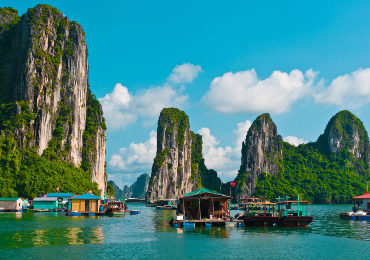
(148, 236)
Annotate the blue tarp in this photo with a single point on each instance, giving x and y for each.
(60, 195)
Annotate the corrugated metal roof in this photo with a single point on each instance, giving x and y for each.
(9, 199)
(203, 190)
(86, 196)
(60, 195)
(365, 196)
(45, 199)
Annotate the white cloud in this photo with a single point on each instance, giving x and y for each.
(122, 108)
(351, 90)
(150, 102)
(224, 160)
(184, 73)
(136, 158)
(241, 132)
(116, 107)
(294, 140)
(244, 92)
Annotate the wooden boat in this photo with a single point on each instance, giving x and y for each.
(254, 216)
(293, 217)
(115, 208)
(167, 204)
(243, 202)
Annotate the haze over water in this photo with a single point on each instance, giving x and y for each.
(148, 235)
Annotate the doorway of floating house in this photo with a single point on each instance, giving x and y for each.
(204, 208)
(87, 205)
(368, 206)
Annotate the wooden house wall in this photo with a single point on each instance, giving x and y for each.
(79, 205)
(193, 204)
(11, 205)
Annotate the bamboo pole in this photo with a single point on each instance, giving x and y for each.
(200, 213)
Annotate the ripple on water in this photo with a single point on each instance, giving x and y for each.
(148, 235)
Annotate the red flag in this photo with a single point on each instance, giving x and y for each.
(232, 183)
(58, 188)
(90, 191)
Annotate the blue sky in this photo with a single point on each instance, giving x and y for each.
(139, 44)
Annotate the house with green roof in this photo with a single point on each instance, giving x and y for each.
(204, 204)
(10, 204)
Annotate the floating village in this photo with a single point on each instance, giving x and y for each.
(202, 207)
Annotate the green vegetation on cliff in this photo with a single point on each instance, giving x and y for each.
(22, 171)
(318, 174)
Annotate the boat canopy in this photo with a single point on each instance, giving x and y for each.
(293, 201)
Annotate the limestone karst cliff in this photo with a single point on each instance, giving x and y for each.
(173, 173)
(331, 170)
(345, 132)
(45, 98)
(261, 151)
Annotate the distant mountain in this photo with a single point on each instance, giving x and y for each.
(136, 190)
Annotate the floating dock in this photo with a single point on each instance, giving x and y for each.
(89, 214)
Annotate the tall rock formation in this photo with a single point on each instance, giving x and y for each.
(44, 74)
(173, 172)
(261, 153)
(345, 132)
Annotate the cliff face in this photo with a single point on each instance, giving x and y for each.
(173, 172)
(45, 68)
(345, 132)
(261, 152)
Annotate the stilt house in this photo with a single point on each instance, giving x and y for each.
(204, 204)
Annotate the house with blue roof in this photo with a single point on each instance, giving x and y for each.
(85, 203)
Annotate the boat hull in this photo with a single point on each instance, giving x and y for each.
(260, 221)
(295, 221)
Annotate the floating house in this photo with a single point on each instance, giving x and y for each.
(360, 210)
(203, 207)
(45, 204)
(62, 198)
(86, 203)
(11, 204)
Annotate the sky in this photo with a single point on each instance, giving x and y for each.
(223, 63)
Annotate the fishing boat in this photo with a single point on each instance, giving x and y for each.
(254, 216)
(167, 204)
(293, 217)
(245, 201)
(115, 208)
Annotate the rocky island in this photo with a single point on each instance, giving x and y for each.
(52, 126)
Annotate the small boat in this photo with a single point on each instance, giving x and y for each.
(115, 208)
(167, 204)
(293, 217)
(254, 216)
